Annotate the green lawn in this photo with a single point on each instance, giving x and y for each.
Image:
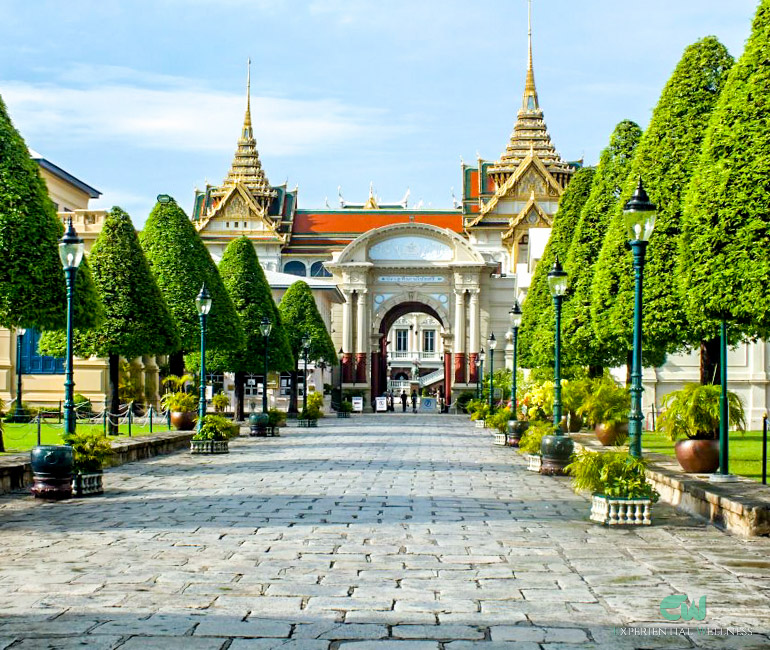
(22, 437)
(745, 451)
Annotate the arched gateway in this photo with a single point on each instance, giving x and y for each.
(404, 268)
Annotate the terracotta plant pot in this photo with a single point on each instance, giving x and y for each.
(698, 456)
(575, 422)
(611, 434)
(183, 420)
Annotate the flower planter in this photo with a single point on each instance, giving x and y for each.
(698, 456)
(611, 434)
(209, 447)
(343, 414)
(516, 429)
(52, 467)
(87, 484)
(615, 511)
(534, 461)
(500, 439)
(183, 420)
(481, 424)
(307, 423)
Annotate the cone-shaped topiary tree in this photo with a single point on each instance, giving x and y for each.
(664, 159)
(725, 254)
(536, 341)
(248, 288)
(580, 345)
(137, 321)
(32, 287)
(182, 265)
(300, 317)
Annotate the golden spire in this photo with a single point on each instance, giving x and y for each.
(529, 101)
(247, 118)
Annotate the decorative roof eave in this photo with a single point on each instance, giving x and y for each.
(259, 212)
(531, 204)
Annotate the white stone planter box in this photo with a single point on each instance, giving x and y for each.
(209, 447)
(620, 512)
(87, 484)
(534, 461)
(480, 424)
(500, 439)
(307, 423)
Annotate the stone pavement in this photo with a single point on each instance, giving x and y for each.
(383, 531)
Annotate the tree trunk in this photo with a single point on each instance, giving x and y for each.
(293, 392)
(176, 363)
(114, 380)
(709, 361)
(629, 367)
(240, 380)
(594, 372)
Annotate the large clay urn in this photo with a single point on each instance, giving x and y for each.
(183, 420)
(698, 456)
(52, 467)
(611, 434)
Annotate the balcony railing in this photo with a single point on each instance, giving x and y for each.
(414, 356)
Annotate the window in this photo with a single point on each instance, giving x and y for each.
(318, 270)
(429, 341)
(295, 267)
(33, 363)
(402, 340)
(235, 224)
(227, 224)
(253, 387)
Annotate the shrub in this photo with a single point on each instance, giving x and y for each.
(90, 449)
(606, 403)
(611, 473)
(346, 407)
(315, 400)
(537, 402)
(479, 410)
(275, 417)
(463, 399)
(220, 401)
(499, 420)
(216, 427)
(533, 437)
(179, 401)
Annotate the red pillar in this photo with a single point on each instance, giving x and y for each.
(448, 377)
(361, 368)
(459, 367)
(376, 388)
(474, 371)
(347, 367)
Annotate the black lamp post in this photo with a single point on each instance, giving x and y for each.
(556, 448)
(203, 305)
(18, 411)
(305, 352)
(341, 358)
(516, 317)
(492, 342)
(480, 375)
(71, 250)
(639, 215)
(265, 326)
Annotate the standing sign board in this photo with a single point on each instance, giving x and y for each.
(381, 404)
(427, 403)
(358, 404)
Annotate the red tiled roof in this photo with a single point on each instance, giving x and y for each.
(356, 222)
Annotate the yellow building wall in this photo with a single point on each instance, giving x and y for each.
(66, 196)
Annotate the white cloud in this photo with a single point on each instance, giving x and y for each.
(119, 106)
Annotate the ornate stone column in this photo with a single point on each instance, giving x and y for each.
(474, 318)
(361, 331)
(347, 337)
(459, 338)
(447, 348)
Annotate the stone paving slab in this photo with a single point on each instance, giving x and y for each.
(382, 531)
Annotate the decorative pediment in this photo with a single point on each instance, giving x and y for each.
(238, 205)
(530, 216)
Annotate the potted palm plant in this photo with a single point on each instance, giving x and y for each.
(606, 408)
(346, 408)
(690, 418)
(180, 403)
(90, 451)
(574, 394)
(621, 493)
(213, 436)
(220, 401)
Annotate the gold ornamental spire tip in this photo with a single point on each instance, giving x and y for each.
(529, 101)
(247, 118)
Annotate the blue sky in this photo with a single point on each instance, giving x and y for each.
(144, 97)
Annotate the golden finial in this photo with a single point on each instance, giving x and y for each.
(529, 101)
(247, 118)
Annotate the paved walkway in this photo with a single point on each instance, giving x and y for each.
(382, 531)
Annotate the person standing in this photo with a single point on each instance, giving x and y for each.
(414, 401)
(403, 401)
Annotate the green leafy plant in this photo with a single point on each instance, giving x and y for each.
(180, 401)
(315, 400)
(537, 401)
(479, 410)
(533, 437)
(499, 420)
(575, 393)
(90, 450)
(605, 403)
(216, 427)
(463, 399)
(612, 474)
(346, 407)
(276, 417)
(220, 401)
(693, 412)
(310, 413)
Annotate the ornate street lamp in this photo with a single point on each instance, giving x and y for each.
(265, 326)
(556, 448)
(639, 215)
(18, 411)
(480, 376)
(492, 342)
(203, 305)
(516, 317)
(71, 249)
(341, 354)
(305, 352)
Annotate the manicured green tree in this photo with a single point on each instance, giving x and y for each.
(137, 321)
(300, 317)
(579, 340)
(181, 264)
(725, 254)
(247, 285)
(664, 159)
(32, 287)
(536, 340)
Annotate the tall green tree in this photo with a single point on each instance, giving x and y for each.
(300, 317)
(665, 160)
(247, 285)
(32, 287)
(182, 265)
(725, 254)
(536, 340)
(137, 321)
(580, 343)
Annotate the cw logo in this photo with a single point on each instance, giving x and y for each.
(685, 612)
